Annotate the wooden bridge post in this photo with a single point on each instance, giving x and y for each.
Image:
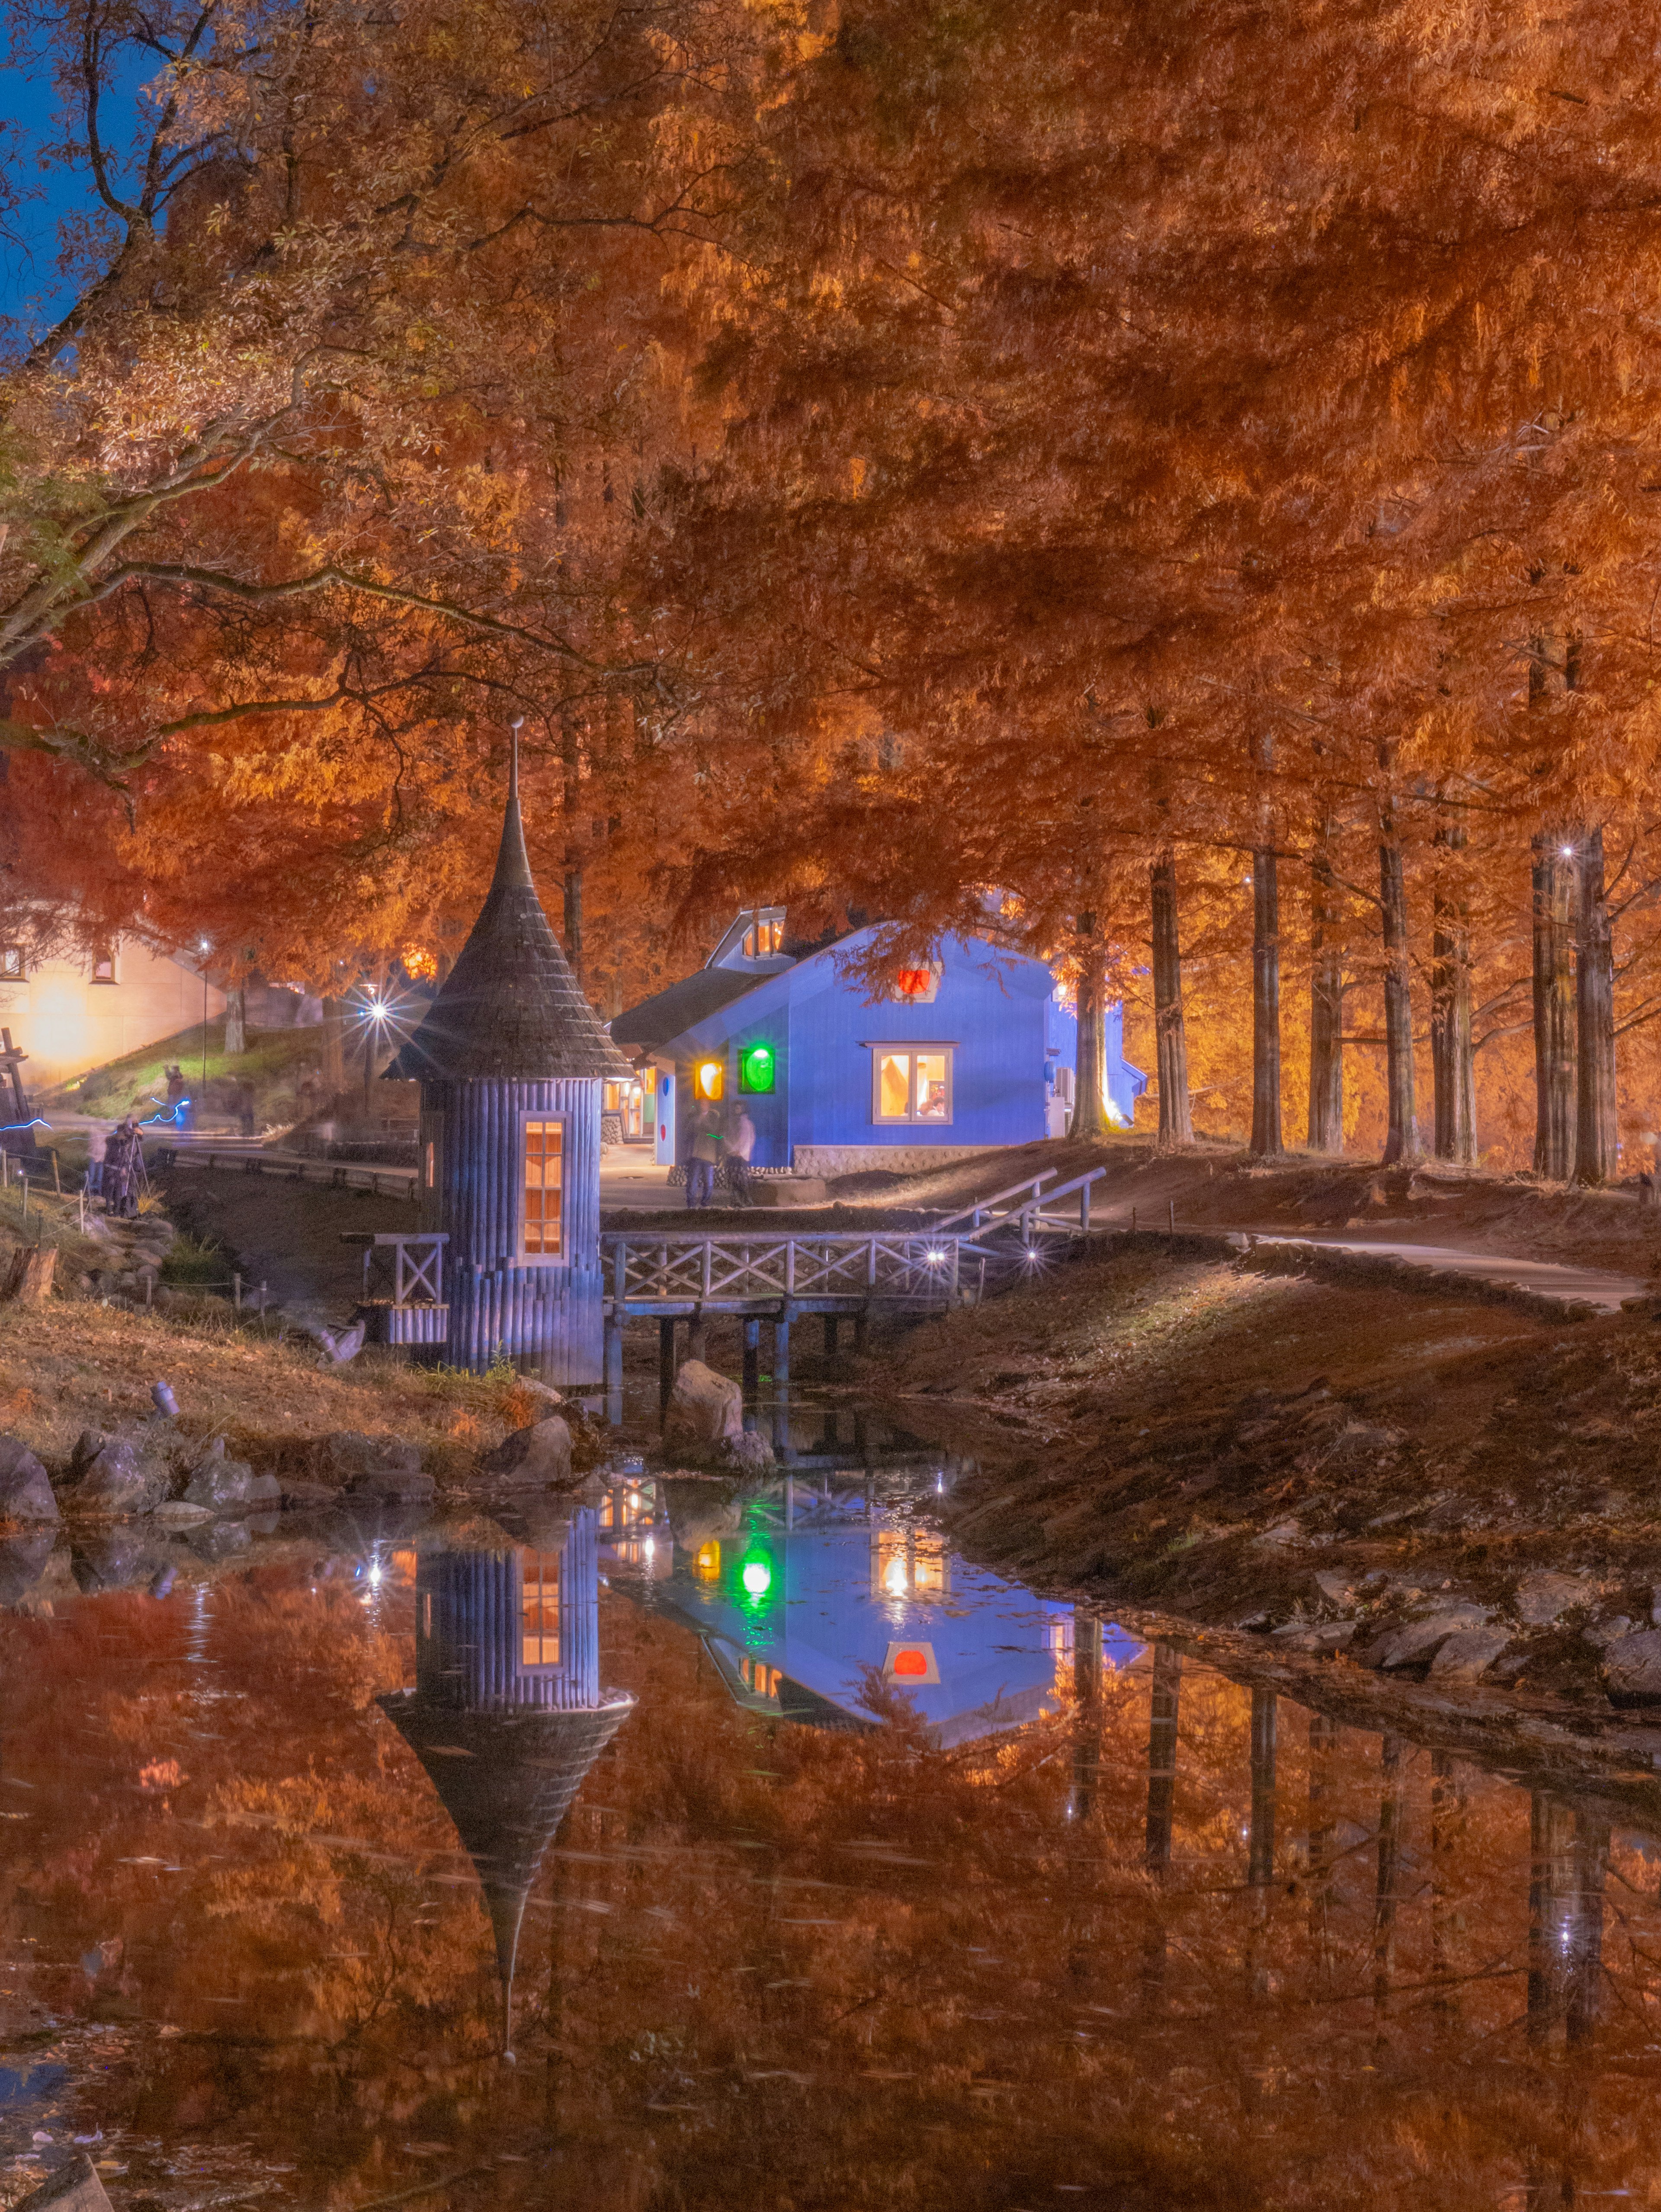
(830, 1334)
(666, 1361)
(782, 1350)
(614, 1366)
(751, 1385)
(697, 1336)
(862, 1320)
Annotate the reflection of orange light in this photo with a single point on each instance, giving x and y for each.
(709, 1561)
(911, 1663)
(894, 1580)
(403, 1568)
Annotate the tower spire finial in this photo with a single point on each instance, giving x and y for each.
(516, 726)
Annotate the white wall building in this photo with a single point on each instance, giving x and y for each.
(72, 1012)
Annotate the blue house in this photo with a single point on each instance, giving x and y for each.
(816, 1605)
(976, 1049)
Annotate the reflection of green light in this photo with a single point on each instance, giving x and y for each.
(757, 1577)
(756, 1068)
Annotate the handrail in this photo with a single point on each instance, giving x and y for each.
(1033, 1183)
(1033, 1212)
(339, 1174)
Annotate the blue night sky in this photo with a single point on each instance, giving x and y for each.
(30, 284)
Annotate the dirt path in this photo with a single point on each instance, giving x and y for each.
(1548, 1278)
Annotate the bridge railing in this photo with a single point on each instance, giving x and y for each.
(704, 1270)
(981, 1209)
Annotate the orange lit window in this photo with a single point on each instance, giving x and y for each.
(764, 937)
(544, 1190)
(911, 1086)
(709, 1080)
(539, 1609)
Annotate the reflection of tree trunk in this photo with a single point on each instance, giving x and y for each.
(1453, 1067)
(1551, 1882)
(1163, 1718)
(1088, 1724)
(1326, 1001)
(1265, 1004)
(236, 1020)
(1402, 1141)
(1259, 1846)
(1089, 1111)
(1595, 1117)
(1553, 1007)
(1586, 1949)
(1170, 1038)
(1388, 1888)
(1323, 1744)
(1447, 1820)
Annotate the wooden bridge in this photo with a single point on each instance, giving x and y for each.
(838, 1275)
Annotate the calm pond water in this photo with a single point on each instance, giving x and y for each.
(796, 1861)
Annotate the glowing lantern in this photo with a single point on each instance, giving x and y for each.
(709, 1080)
(913, 1664)
(756, 1069)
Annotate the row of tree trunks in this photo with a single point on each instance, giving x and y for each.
(1576, 1128)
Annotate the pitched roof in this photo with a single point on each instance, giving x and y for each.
(655, 1020)
(506, 1780)
(510, 1009)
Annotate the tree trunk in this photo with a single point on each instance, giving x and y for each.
(1170, 1038)
(1452, 1063)
(1595, 1137)
(334, 1047)
(1553, 1007)
(570, 803)
(236, 1020)
(1265, 1006)
(1089, 1109)
(1402, 1141)
(1326, 1003)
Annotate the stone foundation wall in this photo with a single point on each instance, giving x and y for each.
(859, 1160)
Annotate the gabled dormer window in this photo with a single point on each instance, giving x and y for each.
(764, 938)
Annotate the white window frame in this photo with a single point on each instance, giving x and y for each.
(911, 1119)
(562, 1257)
(94, 960)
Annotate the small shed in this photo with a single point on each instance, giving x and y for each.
(510, 1058)
(977, 1048)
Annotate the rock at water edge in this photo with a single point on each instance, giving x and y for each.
(25, 1486)
(538, 1454)
(704, 1408)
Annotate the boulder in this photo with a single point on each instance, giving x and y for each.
(704, 1410)
(1632, 1668)
(25, 1486)
(75, 2187)
(1543, 1597)
(118, 1478)
(533, 1456)
(749, 1453)
(1468, 1654)
(374, 1467)
(1413, 1640)
(226, 1486)
(120, 1560)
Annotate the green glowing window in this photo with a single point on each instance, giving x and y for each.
(758, 1069)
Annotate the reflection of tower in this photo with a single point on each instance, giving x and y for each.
(507, 1714)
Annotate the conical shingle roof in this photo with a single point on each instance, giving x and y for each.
(510, 1009)
(506, 1780)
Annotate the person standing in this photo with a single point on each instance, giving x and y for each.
(244, 1106)
(97, 1145)
(121, 1164)
(740, 1148)
(706, 1157)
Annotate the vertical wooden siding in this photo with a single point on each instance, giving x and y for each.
(547, 1319)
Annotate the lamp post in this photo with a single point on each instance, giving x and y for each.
(374, 1023)
(203, 1101)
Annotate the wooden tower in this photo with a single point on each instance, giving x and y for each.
(510, 1058)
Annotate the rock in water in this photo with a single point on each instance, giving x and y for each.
(534, 1455)
(23, 1561)
(25, 1486)
(74, 2188)
(749, 1453)
(705, 1409)
(1632, 1668)
(1415, 1640)
(374, 1467)
(224, 1484)
(119, 1479)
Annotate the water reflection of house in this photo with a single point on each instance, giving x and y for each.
(814, 1602)
(509, 1713)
